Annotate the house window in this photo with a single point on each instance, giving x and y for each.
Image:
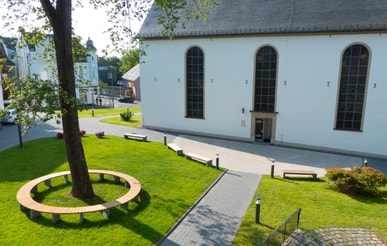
(353, 79)
(265, 79)
(194, 83)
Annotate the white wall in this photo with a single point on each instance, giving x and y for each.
(306, 104)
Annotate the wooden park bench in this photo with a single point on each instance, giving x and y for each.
(174, 147)
(199, 158)
(299, 172)
(135, 136)
(27, 202)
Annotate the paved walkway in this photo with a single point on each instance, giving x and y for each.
(215, 220)
(216, 217)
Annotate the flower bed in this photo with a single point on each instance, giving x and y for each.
(100, 134)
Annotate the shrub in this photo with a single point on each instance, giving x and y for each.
(127, 116)
(357, 180)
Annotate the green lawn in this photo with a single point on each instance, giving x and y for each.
(87, 113)
(135, 122)
(170, 185)
(321, 207)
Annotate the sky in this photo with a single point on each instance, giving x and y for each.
(90, 23)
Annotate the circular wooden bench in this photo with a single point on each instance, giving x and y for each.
(26, 202)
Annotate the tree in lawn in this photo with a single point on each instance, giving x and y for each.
(60, 20)
(55, 18)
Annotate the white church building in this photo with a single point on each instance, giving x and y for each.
(302, 73)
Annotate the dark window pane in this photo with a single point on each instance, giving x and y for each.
(265, 79)
(194, 83)
(353, 78)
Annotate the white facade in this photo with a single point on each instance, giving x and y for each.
(32, 63)
(308, 78)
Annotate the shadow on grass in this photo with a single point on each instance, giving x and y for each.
(379, 198)
(63, 192)
(296, 180)
(25, 159)
(167, 204)
(304, 179)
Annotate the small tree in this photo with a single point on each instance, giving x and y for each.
(126, 116)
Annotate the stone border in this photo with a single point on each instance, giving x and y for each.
(26, 202)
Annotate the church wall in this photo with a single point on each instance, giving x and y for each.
(307, 86)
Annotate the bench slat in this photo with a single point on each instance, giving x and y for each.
(300, 172)
(174, 147)
(135, 136)
(199, 158)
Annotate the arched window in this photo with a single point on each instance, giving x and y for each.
(195, 83)
(265, 79)
(353, 80)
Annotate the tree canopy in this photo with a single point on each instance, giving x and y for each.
(54, 18)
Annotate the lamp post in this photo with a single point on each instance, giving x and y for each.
(257, 209)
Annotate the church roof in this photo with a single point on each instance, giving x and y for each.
(133, 74)
(254, 17)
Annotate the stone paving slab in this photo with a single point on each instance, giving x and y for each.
(337, 237)
(215, 220)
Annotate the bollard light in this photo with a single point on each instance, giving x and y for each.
(257, 209)
(272, 169)
(165, 139)
(217, 161)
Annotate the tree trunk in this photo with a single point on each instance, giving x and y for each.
(60, 19)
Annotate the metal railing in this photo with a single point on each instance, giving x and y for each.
(279, 235)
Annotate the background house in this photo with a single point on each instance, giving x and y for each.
(38, 60)
(132, 79)
(305, 73)
(107, 74)
(7, 65)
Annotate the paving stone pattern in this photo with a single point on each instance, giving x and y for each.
(336, 237)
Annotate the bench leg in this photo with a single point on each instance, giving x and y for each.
(48, 183)
(136, 199)
(66, 179)
(101, 177)
(127, 185)
(55, 218)
(34, 214)
(125, 206)
(106, 213)
(35, 189)
(209, 163)
(81, 218)
(116, 179)
(22, 208)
